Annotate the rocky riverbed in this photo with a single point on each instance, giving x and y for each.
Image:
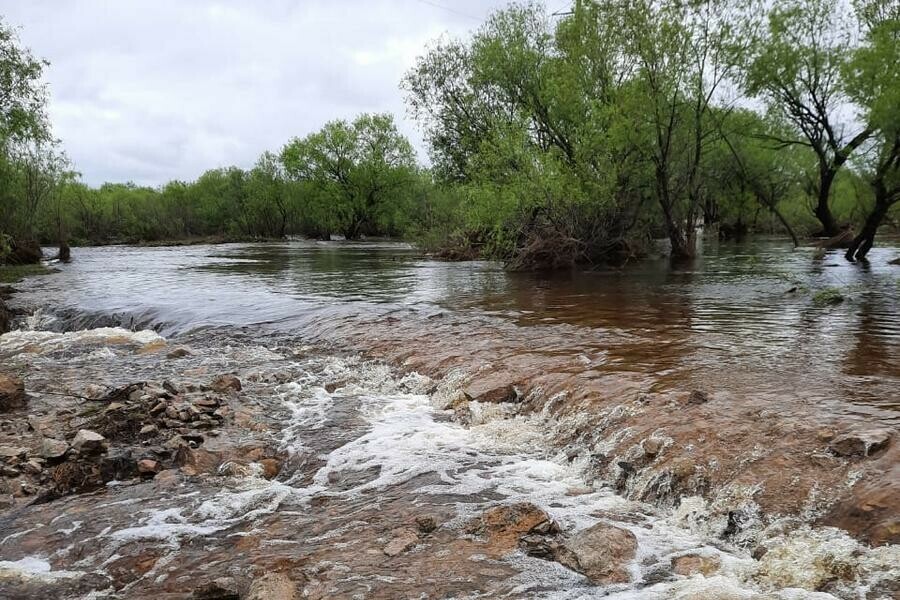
(353, 421)
(239, 464)
(754, 459)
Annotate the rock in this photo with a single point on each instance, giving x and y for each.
(426, 523)
(148, 467)
(652, 446)
(52, 449)
(224, 383)
(539, 546)
(167, 478)
(173, 413)
(403, 540)
(114, 406)
(696, 397)
(223, 588)
(206, 402)
(9, 453)
(88, 442)
(692, 564)
(33, 467)
(863, 443)
(119, 466)
(683, 468)
(178, 353)
(12, 393)
(462, 412)
(176, 442)
(505, 525)
(271, 467)
(158, 408)
(333, 386)
(194, 461)
(493, 388)
(272, 586)
(149, 430)
(601, 553)
(825, 434)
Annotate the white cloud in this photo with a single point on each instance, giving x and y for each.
(165, 90)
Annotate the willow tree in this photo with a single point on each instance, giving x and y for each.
(25, 139)
(798, 68)
(361, 168)
(873, 81)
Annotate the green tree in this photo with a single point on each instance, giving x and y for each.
(359, 168)
(797, 66)
(873, 81)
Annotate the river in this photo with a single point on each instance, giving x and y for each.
(353, 358)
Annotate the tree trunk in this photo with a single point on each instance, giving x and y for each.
(823, 210)
(787, 226)
(864, 241)
(681, 243)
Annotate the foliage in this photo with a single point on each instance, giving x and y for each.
(15, 273)
(359, 171)
(553, 140)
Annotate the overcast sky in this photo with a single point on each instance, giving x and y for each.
(153, 91)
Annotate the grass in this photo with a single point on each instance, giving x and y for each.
(828, 297)
(15, 273)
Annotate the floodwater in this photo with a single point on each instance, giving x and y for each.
(744, 317)
(368, 447)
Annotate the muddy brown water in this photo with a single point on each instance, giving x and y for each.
(742, 321)
(739, 317)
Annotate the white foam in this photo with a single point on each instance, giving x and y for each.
(34, 567)
(41, 342)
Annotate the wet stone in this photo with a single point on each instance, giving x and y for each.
(88, 442)
(9, 453)
(12, 393)
(224, 383)
(222, 588)
(601, 553)
(271, 467)
(696, 397)
(148, 467)
(272, 586)
(403, 540)
(53, 449)
(652, 446)
(863, 443)
(426, 523)
(493, 388)
(33, 467)
(692, 564)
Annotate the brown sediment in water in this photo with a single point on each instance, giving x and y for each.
(204, 519)
(755, 457)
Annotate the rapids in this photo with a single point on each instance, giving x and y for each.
(365, 417)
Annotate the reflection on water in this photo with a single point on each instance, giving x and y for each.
(740, 318)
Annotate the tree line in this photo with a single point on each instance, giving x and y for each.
(553, 140)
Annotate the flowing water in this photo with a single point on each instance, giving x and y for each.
(369, 447)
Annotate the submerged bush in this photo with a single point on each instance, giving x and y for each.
(828, 297)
